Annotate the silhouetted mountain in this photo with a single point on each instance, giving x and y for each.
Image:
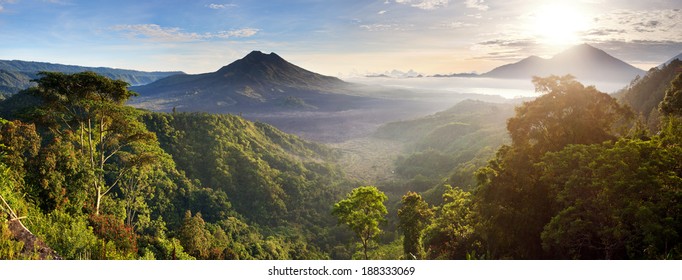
(257, 82)
(16, 75)
(583, 61)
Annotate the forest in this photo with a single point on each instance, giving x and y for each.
(573, 174)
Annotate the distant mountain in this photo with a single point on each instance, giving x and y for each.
(16, 75)
(395, 74)
(456, 75)
(585, 62)
(257, 82)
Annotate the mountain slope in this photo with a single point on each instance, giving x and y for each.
(15, 75)
(257, 82)
(645, 94)
(583, 61)
(678, 57)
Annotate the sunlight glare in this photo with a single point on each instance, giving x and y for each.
(559, 24)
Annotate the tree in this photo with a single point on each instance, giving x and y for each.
(362, 211)
(512, 201)
(566, 113)
(672, 102)
(413, 216)
(451, 234)
(194, 236)
(88, 110)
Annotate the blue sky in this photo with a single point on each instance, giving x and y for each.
(334, 37)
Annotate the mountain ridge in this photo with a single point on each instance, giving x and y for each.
(16, 75)
(258, 81)
(582, 61)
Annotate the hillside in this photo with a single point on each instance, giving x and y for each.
(15, 75)
(448, 146)
(165, 186)
(645, 94)
(585, 62)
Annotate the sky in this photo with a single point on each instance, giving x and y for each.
(340, 38)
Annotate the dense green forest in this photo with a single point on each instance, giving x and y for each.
(574, 174)
(583, 178)
(96, 179)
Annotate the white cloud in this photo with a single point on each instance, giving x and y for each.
(155, 32)
(425, 4)
(476, 4)
(629, 25)
(239, 33)
(220, 6)
(454, 25)
(387, 27)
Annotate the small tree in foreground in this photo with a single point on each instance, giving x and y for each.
(413, 215)
(362, 211)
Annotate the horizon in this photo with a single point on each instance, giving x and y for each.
(352, 38)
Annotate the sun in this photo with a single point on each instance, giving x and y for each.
(558, 24)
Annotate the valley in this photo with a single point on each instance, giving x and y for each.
(253, 161)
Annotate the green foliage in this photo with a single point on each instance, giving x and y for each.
(87, 110)
(194, 236)
(566, 113)
(429, 163)
(672, 102)
(447, 147)
(10, 249)
(258, 167)
(96, 184)
(362, 211)
(414, 215)
(451, 235)
(615, 201)
(644, 95)
(512, 201)
(70, 235)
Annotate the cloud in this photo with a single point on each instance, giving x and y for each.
(425, 4)
(643, 53)
(453, 25)
(155, 32)
(2, 2)
(507, 49)
(629, 25)
(509, 43)
(239, 33)
(476, 4)
(220, 6)
(387, 27)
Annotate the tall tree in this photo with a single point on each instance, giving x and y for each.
(566, 113)
(451, 234)
(88, 110)
(512, 201)
(413, 215)
(362, 210)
